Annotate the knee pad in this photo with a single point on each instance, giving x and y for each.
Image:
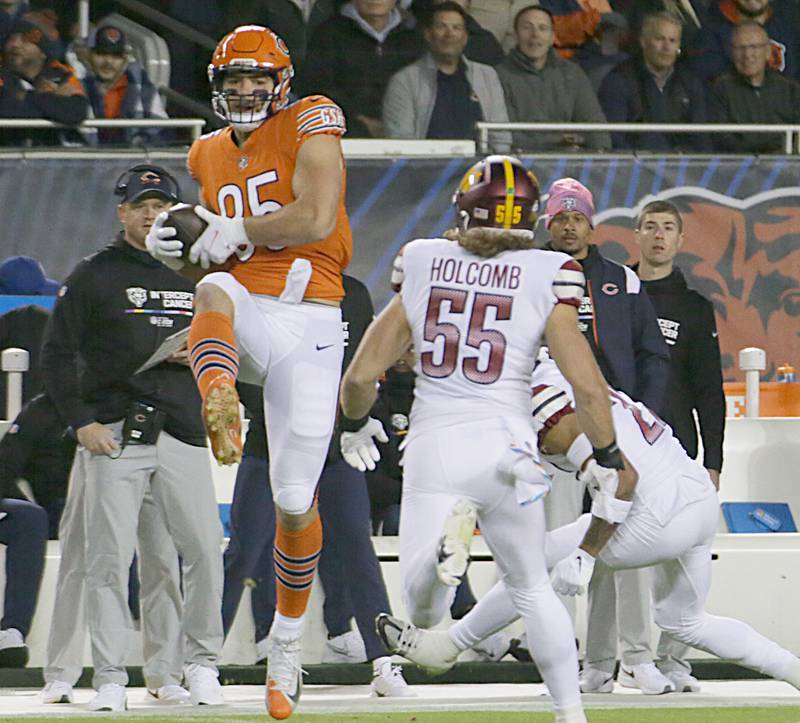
(294, 499)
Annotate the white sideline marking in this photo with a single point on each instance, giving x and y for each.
(249, 699)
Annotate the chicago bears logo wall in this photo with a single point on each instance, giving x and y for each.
(743, 255)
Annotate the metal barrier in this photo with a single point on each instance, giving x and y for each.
(195, 125)
(791, 132)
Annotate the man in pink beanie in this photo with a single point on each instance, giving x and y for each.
(619, 322)
(567, 195)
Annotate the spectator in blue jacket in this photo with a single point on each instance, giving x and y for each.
(620, 324)
(118, 87)
(652, 87)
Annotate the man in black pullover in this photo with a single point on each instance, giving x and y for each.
(687, 323)
(695, 377)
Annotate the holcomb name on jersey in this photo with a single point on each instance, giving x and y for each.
(475, 273)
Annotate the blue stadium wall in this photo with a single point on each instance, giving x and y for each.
(742, 223)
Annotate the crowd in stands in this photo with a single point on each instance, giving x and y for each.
(432, 68)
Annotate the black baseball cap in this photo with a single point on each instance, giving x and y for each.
(145, 179)
(109, 39)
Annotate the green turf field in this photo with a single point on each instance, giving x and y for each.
(610, 715)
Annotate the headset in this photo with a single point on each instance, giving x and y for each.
(121, 184)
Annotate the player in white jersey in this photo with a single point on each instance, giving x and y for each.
(476, 306)
(671, 526)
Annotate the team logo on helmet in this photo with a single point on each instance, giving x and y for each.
(250, 49)
(150, 177)
(498, 192)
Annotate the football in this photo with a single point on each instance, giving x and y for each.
(189, 226)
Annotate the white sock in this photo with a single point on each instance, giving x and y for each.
(793, 678)
(493, 612)
(379, 663)
(286, 628)
(573, 714)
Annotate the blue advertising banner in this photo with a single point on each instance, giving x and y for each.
(741, 215)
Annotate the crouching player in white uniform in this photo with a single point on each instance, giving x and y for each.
(477, 308)
(670, 525)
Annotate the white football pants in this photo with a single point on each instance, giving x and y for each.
(460, 462)
(680, 553)
(294, 352)
(617, 601)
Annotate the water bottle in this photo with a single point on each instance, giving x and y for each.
(785, 373)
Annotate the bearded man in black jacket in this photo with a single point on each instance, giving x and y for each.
(687, 323)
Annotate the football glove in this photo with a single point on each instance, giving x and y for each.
(162, 246)
(571, 575)
(359, 449)
(220, 239)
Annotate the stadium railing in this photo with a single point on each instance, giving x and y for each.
(194, 125)
(791, 133)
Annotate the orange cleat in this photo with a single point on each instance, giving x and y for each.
(223, 421)
(284, 677)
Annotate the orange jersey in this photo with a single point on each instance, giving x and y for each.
(256, 178)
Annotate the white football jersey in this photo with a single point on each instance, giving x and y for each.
(477, 325)
(668, 478)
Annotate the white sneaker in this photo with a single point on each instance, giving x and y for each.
(453, 552)
(594, 680)
(430, 649)
(388, 680)
(646, 677)
(110, 697)
(684, 682)
(203, 685)
(345, 648)
(13, 651)
(57, 691)
(169, 695)
(284, 677)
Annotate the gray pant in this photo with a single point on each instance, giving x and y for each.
(632, 587)
(619, 600)
(159, 595)
(179, 479)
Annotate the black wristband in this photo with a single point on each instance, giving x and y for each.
(352, 425)
(609, 457)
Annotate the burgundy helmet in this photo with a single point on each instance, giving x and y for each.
(498, 192)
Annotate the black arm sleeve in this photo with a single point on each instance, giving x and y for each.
(67, 109)
(652, 353)
(63, 339)
(706, 380)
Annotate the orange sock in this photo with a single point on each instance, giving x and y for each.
(296, 554)
(212, 349)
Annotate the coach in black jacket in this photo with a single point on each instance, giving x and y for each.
(687, 322)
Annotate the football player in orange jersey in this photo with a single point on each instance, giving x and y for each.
(272, 187)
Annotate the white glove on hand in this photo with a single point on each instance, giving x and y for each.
(571, 575)
(162, 246)
(220, 239)
(359, 449)
(599, 479)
